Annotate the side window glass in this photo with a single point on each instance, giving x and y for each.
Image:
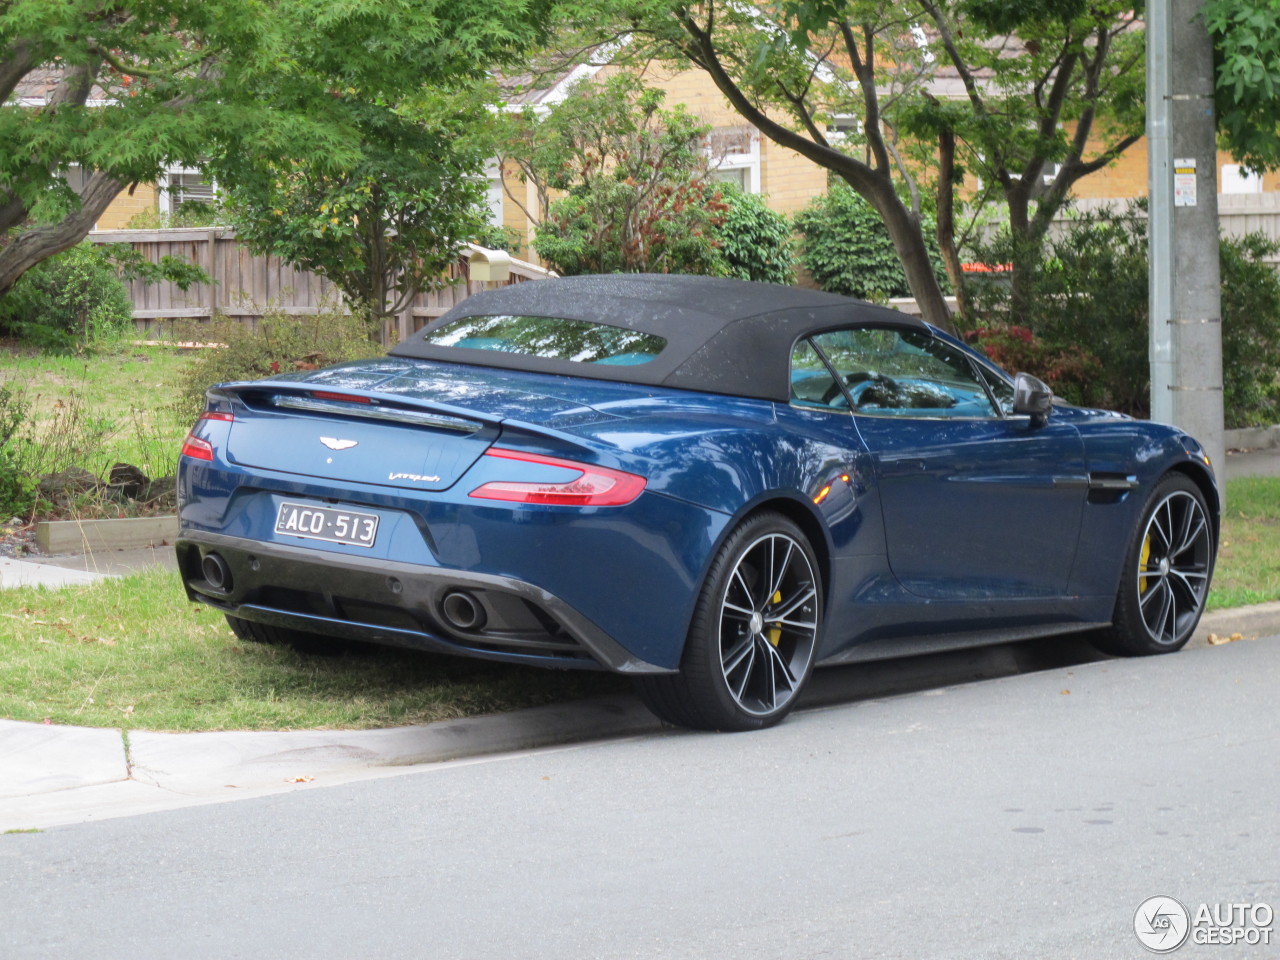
(811, 382)
(904, 373)
(1001, 389)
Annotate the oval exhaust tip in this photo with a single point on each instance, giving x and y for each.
(216, 572)
(462, 611)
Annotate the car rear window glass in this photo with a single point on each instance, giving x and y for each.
(556, 338)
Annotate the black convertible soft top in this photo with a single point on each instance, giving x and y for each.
(723, 336)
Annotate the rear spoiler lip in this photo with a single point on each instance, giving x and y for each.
(233, 389)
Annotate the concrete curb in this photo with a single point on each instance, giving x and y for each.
(1253, 438)
(196, 761)
(25, 573)
(1258, 620)
(52, 775)
(35, 758)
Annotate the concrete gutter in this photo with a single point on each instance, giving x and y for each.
(52, 775)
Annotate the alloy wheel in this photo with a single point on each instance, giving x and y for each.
(768, 624)
(1173, 569)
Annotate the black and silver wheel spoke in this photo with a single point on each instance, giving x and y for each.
(1173, 580)
(768, 624)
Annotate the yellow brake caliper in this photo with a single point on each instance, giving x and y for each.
(774, 633)
(1142, 563)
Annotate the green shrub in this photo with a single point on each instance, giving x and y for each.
(1090, 290)
(755, 242)
(602, 228)
(193, 213)
(69, 300)
(1067, 369)
(845, 246)
(15, 482)
(278, 343)
(1250, 332)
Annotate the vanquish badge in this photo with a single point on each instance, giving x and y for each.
(333, 443)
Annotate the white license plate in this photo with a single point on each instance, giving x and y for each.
(326, 523)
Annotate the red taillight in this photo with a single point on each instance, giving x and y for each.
(593, 487)
(344, 397)
(196, 448)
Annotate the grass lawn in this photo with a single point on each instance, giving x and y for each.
(134, 653)
(1249, 555)
(112, 406)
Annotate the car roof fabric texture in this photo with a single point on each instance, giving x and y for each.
(723, 336)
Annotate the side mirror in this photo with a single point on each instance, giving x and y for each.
(1032, 397)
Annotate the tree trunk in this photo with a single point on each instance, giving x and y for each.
(30, 247)
(1019, 231)
(908, 241)
(946, 226)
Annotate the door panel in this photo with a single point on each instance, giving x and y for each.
(978, 508)
(976, 504)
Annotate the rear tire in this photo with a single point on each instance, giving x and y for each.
(754, 633)
(310, 643)
(1166, 574)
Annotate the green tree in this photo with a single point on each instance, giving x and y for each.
(1053, 90)
(383, 227)
(622, 182)
(134, 85)
(847, 84)
(1246, 38)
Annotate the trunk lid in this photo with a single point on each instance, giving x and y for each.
(409, 424)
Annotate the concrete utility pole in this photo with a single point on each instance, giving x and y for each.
(1186, 307)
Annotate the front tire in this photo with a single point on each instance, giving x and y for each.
(754, 634)
(1166, 574)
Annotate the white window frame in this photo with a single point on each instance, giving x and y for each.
(748, 161)
(164, 197)
(495, 194)
(1237, 179)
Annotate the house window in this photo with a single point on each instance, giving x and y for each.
(493, 196)
(179, 185)
(1240, 179)
(842, 129)
(734, 153)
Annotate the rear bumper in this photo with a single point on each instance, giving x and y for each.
(401, 604)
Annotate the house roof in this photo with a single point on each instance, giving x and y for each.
(38, 85)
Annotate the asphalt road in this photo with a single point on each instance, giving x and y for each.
(1024, 817)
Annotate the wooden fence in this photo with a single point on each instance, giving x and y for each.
(1238, 214)
(245, 286)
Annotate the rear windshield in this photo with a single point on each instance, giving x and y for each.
(581, 341)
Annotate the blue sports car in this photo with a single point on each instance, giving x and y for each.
(709, 485)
